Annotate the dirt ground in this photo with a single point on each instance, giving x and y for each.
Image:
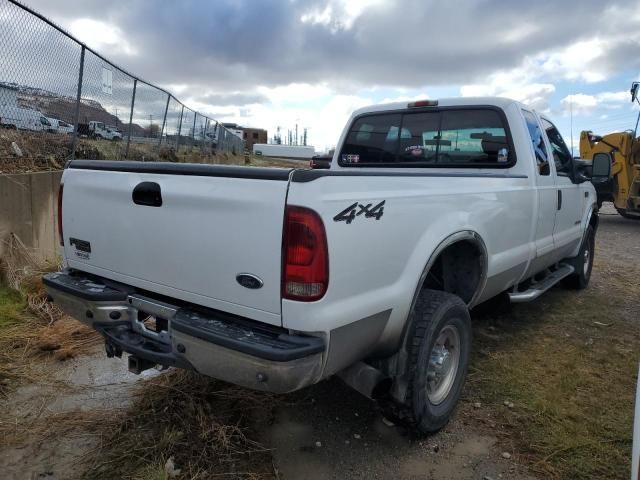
(327, 431)
(324, 432)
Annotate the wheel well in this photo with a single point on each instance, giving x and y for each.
(458, 269)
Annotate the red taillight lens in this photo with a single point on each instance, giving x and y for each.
(305, 259)
(60, 192)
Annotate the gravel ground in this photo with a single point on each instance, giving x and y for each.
(333, 432)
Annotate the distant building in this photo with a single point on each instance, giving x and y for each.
(251, 136)
(234, 128)
(8, 95)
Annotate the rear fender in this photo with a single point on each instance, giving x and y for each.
(397, 364)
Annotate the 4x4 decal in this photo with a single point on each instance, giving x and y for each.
(356, 209)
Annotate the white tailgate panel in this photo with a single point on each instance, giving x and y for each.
(207, 231)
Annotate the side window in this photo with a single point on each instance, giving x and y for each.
(561, 154)
(538, 142)
(372, 139)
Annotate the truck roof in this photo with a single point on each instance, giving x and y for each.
(500, 102)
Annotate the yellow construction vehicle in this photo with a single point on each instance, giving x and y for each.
(623, 189)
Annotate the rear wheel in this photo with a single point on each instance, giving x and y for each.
(583, 263)
(439, 347)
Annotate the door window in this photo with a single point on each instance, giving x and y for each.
(561, 154)
(538, 142)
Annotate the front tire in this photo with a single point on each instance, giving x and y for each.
(439, 347)
(583, 263)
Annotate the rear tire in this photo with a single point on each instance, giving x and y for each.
(439, 347)
(583, 263)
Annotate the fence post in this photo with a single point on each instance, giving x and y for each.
(193, 133)
(204, 134)
(164, 119)
(133, 100)
(179, 129)
(78, 98)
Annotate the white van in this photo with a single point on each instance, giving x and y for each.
(23, 119)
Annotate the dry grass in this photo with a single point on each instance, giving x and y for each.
(568, 362)
(46, 151)
(31, 328)
(205, 426)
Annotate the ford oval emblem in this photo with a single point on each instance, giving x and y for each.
(249, 281)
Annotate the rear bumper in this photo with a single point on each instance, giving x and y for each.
(213, 343)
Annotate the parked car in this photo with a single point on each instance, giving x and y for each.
(276, 279)
(15, 117)
(96, 129)
(59, 126)
(322, 161)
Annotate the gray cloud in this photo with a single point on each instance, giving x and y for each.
(239, 44)
(236, 99)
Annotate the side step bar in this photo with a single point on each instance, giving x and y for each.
(538, 288)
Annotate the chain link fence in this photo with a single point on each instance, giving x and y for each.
(59, 100)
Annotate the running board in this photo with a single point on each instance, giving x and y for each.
(542, 286)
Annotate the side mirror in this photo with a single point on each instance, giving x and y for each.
(582, 169)
(601, 167)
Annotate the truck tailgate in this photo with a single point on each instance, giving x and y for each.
(187, 232)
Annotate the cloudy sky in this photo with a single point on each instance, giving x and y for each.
(277, 62)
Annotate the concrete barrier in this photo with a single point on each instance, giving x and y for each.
(29, 208)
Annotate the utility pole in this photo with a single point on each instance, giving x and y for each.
(296, 134)
(150, 125)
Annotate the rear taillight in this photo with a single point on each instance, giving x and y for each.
(60, 192)
(305, 259)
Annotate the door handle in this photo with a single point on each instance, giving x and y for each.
(147, 194)
(559, 199)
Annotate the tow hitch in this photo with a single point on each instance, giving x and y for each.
(137, 365)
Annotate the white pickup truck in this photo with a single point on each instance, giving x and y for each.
(276, 279)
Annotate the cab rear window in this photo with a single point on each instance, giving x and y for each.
(476, 137)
